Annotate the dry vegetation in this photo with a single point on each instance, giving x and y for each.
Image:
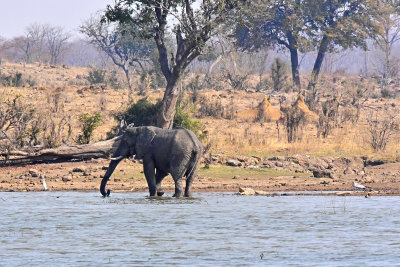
(238, 122)
(345, 119)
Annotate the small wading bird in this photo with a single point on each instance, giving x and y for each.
(44, 183)
(358, 186)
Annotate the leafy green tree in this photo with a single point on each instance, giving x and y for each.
(192, 23)
(89, 124)
(275, 23)
(337, 23)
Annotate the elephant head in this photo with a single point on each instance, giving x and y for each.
(135, 141)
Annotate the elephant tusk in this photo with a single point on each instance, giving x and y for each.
(117, 158)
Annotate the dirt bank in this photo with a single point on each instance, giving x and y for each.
(296, 173)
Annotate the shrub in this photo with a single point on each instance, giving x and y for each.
(96, 76)
(89, 123)
(12, 80)
(145, 83)
(381, 130)
(140, 113)
(144, 113)
(183, 119)
(113, 81)
(279, 74)
(385, 93)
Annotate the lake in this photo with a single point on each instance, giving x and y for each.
(212, 229)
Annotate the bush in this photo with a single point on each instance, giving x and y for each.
(144, 113)
(183, 119)
(381, 129)
(89, 123)
(12, 80)
(113, 81)
(141, 113)
(96, 76)
(385, 93)
(279, 74)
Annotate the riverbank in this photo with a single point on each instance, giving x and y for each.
(298, 173)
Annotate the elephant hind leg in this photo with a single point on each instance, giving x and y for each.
(178, 188)
(160, 175)
(177, 176)
(189, 180)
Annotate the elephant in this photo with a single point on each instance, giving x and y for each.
(176, 151)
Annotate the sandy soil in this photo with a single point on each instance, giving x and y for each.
(86, 176)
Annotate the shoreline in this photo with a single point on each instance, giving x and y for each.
(269, 193)
(283, 177)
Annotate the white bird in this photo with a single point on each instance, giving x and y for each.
(358, 186)
(44, 183)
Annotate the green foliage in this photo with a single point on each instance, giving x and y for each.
(89, 124)
(279, 74)
(386, 93)
(12, 80)
(140, 113)
(113, 81)
(183, 119)
(33, 134)
(144, 113)
(96, 76)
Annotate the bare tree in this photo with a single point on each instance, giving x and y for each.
(30, 46)
(380, 130)
(388, 19)
(119, 43)
(56, 41)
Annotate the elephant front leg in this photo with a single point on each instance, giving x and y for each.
(149, 173)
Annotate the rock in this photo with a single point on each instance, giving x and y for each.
(233, 163)
(66, 178)
(321, 173)
(257, 158)
(236, 177)
(266, 164)
(278, 164)
(104, 168)
(252, 166)
(34, 172)
(117, 180)
(277, 158)
(78, 169)
(247, 191)
(347, 171)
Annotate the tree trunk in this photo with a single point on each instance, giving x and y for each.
(128, 80)
(167, 112)
(101, 149)
(318, 62)
(294, 59)
(209, 71)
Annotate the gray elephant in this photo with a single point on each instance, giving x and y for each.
(176, 151)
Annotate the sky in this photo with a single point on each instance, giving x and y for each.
(17, 15)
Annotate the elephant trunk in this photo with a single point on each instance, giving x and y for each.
(110, 170)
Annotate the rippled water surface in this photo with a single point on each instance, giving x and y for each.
(212, 229)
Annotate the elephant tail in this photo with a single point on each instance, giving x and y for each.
(196, 159)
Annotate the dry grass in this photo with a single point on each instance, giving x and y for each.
(238, 136)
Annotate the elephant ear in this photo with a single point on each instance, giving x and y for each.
(143, 141)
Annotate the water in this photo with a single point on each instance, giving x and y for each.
(213, 229)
